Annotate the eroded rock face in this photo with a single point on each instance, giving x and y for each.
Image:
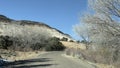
(27, 28)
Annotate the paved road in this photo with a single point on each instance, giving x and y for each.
(51, 60)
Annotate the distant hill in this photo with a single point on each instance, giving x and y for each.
(25, 28)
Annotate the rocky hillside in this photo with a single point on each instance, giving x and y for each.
(25, 28)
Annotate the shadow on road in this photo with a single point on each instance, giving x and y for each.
(31, 63)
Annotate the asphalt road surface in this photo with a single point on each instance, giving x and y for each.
(54, 59)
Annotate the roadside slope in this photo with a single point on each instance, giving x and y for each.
(74, 45)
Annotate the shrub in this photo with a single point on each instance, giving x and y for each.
(64, 39)
(21, 44)
(51, 44)
(84, 41)
(37, 46)
(54, 45)
(74, 52)
(71, 41)
(54, 39)
(78, 41)
(5, 42)
(99, 56)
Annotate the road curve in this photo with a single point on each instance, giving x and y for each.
(58, 60)
(54, 59)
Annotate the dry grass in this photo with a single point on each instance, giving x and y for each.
(24, 55)
(104, 66)
(75, 49)
(74, 45)
(19, 55)
(99, 65)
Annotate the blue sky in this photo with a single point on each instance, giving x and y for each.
(60, 14)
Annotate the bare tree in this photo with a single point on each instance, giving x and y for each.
(107, 7)
(103, 21)
(103, 26)
(82, 30)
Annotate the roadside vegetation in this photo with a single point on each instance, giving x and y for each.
(17, 44)
(100, 31)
